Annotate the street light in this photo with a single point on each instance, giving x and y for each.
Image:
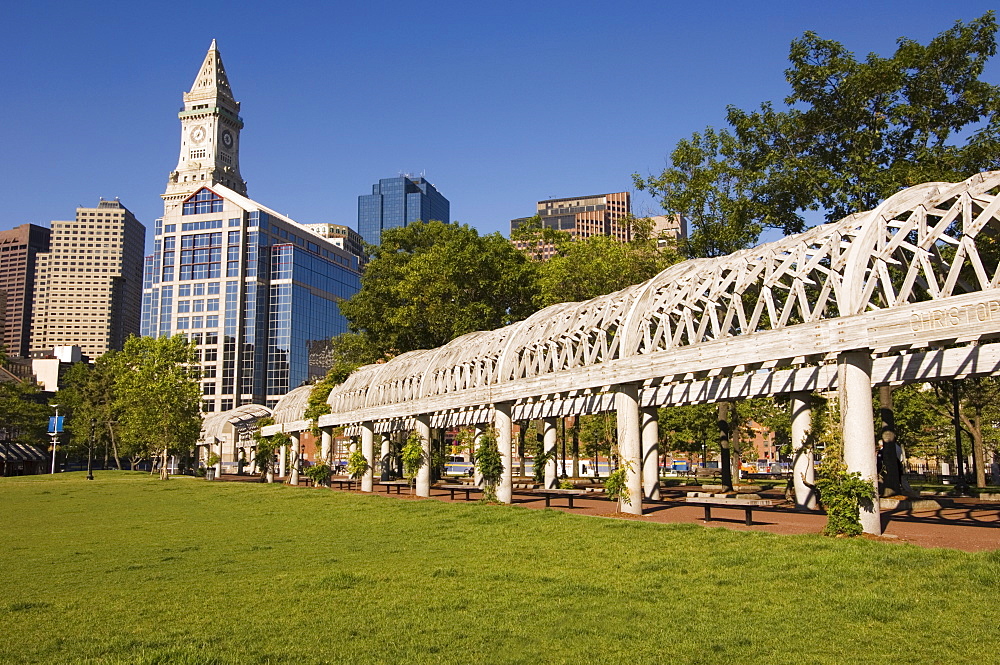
(90, 450)
(55, 436)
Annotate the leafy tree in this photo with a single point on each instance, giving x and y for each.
(489, 462)
(91, 401)
(266, 448)
(688, 429)
(852, 133)
(535, 238)
(357, 465)
(413, 456)
(159, 395)
(855, 132)
(706, 185)
(23, 413)
(590, 267)
(598, 434)
(428, 283)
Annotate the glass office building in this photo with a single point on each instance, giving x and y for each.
(256, 292)
(397, 202)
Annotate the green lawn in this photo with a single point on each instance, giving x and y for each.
(129, 569)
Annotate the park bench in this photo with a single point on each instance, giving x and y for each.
(706, 474)
(550, 494)
(342, 482)
(468, 489)
(398, 484)
(747, 505)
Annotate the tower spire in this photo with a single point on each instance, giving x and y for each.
(211, 79)
(210, 135)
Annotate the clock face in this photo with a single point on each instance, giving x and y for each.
(227, 138)
(198, 134)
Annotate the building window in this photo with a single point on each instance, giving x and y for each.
(203, 201)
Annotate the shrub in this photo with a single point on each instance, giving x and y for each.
(357, 465)
(842, 494)
(319, 474)
(490, 464)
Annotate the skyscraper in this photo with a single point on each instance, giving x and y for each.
(256, 291)
(397, 202)
(88, 286)
(19, 248)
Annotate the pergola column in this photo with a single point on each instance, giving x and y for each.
(549, 441)
(326, 445)
(857, 416)
(477, 476)
(218, 465)
(423, 428)
(630, 444)
(503, 423)
(803, 473)
(368, 450)
(650, 429)
(282, 458)
(293, 460)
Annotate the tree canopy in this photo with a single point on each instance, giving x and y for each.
(428, 283)
(851, 134)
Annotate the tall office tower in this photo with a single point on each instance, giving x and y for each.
(342, 236)
(255, 291)
(582, 217)
(19, 248)
(397, 202)
(88, 286)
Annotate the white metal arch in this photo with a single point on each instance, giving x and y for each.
(914, 273)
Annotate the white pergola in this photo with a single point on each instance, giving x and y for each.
(905, 292)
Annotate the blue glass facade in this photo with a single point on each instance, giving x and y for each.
(256, 292)
(397, 202)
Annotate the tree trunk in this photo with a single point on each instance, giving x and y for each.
(521, 433)
(974, 425)
(725, 467)
(576, 446)
(164, 475)
(114, 446)
(892, 453)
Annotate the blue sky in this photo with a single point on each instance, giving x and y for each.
(499, 104)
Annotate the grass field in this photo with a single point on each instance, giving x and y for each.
(129, 569)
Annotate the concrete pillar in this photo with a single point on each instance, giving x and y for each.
(368, 450)
(326, 445)
(293, 459)
(424, 474)
(630, 444)
(857, 416)
(803, 473)
(282, 456)
(549, 441)
(477, 435)
(503, 424)
(650, 428)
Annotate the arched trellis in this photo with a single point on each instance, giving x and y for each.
(900, 283)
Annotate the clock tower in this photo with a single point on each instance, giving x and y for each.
(210, 135)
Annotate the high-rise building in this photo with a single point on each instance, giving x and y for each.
(342, 236)
(256, 291)
(88, 286)
(587, 216)
(397, 202)
(19, 248)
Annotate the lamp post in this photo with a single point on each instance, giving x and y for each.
(90, 451)
(5, 435)
(55, 436)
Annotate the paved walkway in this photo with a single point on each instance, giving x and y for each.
(964, 524)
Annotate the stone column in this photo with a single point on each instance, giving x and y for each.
(630, 444)
(857, 416)
(218, 465)
(549, 441)
(477, 476)
(368, 450)
(650, 427)
(424, 474)
(503, 424)
(326, 445)
(293, 459)
(803, 474)
(282, 457)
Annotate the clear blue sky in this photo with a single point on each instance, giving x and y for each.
(500, 104)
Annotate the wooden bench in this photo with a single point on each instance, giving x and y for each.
(747, 505)
(550, 494)
(342, 482)
(468, 489)
(398, 484)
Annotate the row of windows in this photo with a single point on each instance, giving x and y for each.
(201, 226)
(184, 322)
(204, 201)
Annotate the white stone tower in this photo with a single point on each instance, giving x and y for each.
(210, 135)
